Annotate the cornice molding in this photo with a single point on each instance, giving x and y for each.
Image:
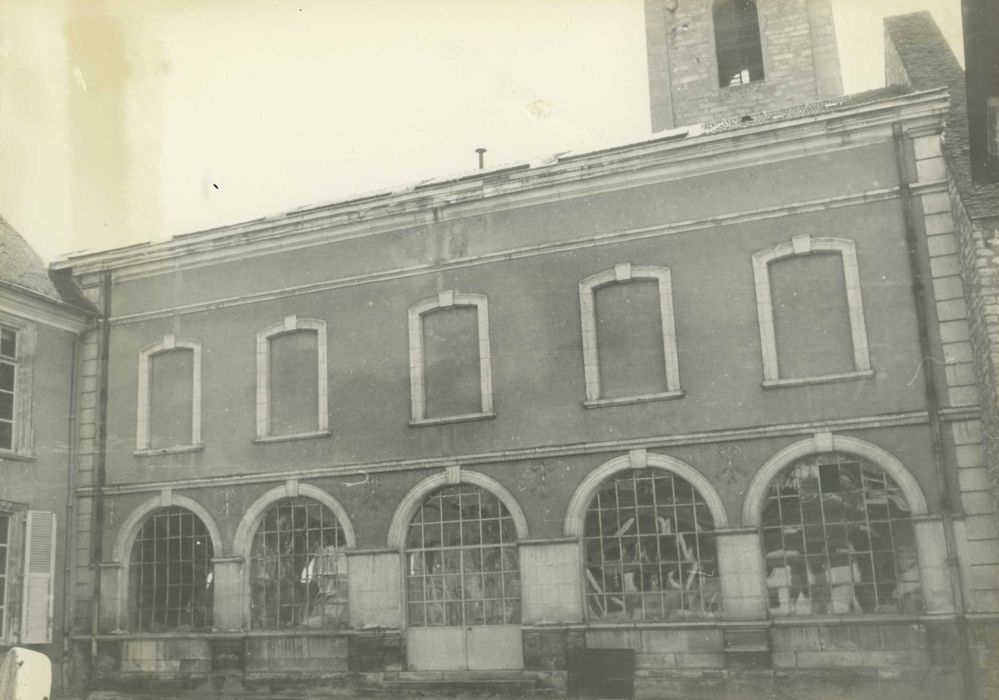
(807, 428)
(44, 310)
(659, 159)
(633, 234)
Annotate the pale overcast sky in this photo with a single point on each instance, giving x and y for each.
(134, 120)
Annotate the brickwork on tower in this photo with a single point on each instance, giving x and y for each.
(800, 61)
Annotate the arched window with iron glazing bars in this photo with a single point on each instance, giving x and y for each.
(650, 551)
(462, 566)
(737, 42)
(838, 538)
(170, 573)
(298, 568)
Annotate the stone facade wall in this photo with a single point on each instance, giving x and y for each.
(979, 255)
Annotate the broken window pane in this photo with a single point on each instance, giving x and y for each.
(650, 550)
(467, 571)
(297, 567)
(170, 573)
(837, 539)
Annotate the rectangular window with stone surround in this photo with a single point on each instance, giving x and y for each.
(27, 570)
(292, 380)
(811, 312)
(629, 337)
(8, 385)
(169, 397)
(16, 348)
(450, 367)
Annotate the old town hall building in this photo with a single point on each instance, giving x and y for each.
(698, 416)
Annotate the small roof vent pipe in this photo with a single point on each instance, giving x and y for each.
(482, 157)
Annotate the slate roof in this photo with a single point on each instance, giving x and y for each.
(22, 269)
(930, 63)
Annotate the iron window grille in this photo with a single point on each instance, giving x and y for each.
(838, 538)
(462, 566)
(650, 551)
(170, 573)
(298, 567)
(737, 42)
(8, 379)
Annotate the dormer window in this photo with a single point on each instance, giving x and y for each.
(737, 42)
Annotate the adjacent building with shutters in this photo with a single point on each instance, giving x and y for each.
(696, 416)
(42, 314)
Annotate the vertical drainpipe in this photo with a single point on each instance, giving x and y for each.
(922, 301)
(72, 455)
(97, 517)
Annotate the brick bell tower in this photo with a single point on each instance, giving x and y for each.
(713, 59)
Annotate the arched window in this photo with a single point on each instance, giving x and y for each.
(838, 538)
(649, 549)
(298, 567)
(170, 573)
(737, 42)
(462, 568)
(449, 361)
(629, 338)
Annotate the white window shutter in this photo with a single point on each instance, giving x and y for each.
(39, 577)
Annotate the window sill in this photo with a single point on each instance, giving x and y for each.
(181, 449)
(16, 456)
(824, 379)
(264, 439)
(640, 398)
(464, 418)
(849, 619)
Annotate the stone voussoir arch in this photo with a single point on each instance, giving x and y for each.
(640, 459)
(243, 540)
(450, 477)
(121, 552)
(828, 442)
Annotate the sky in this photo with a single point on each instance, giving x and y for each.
(134, 120)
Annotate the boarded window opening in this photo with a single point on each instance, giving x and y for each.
(811, 316)
(298, 568)
(170, 573)
(838, 538)
(630, 339)
(650, 550)
(452, 378)
(737, 42)
(171, 386)
(294, 382)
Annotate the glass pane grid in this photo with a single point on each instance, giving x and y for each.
(170, 573)
(297, 574)
(8, 342)
(650, 554)
(838, 539)
(462, 561)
